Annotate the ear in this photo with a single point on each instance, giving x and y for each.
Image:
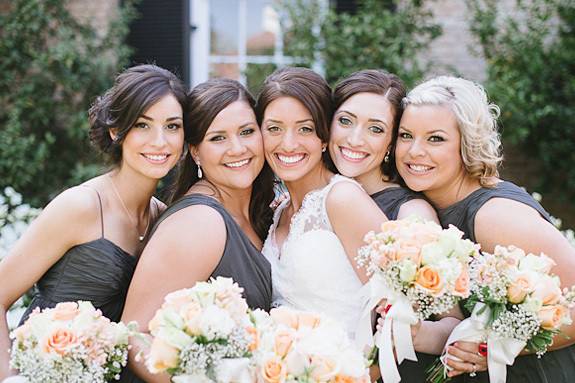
(194, 152)
(113, 132)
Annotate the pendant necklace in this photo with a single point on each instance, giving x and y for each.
(134, 223)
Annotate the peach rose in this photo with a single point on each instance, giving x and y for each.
(65, 311)
(552, 316)
(429, 279)
(462, 284)
(390, 226)
(285, 316)
(308, 320)
(60, 341)
(519, 288)
(255, 336)
(162, 356)
(283, 343)
(409, 250)
(547, 291)
(322, 369)
(274, 371)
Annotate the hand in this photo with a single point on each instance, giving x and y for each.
(470, 359)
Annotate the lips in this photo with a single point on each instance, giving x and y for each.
(156, 158)
(352, 155)
(290, 159)
(419, 168)
(238, 164)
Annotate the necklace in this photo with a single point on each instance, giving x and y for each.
(132, 221)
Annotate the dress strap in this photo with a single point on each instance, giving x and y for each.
(101, 209)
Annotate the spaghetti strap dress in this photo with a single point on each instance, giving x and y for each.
(98, 271)
(554, 366)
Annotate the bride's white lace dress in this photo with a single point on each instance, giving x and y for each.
(311, 270)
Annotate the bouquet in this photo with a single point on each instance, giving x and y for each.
(302, 347)
(71, 343)
(515, 303)
(203, 334)
(421, 270)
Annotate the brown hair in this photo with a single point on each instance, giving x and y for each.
(307, 87)
(134, 91)
(379, 82)
(205, 101)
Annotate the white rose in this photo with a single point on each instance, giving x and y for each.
(432, 253)
(532, 304)
(216, 323)
(174, 337)
(352, 363)
(539, 263)
(407, 270)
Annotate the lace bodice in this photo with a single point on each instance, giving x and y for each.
(311, 270)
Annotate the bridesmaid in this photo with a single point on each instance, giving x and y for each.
(449, 149)
(138, 123)
(219, 214)
(368, 110)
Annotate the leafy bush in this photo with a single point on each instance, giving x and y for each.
(531, 76)
(387, 34)
(52, 67)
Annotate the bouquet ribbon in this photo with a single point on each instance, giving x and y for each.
(400, 317)
(233, 370)
(500, 351)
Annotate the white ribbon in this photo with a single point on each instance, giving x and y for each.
(16, 379)
(228, 371)
(500, 351)
(400, 317)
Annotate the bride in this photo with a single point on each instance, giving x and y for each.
(316, 233)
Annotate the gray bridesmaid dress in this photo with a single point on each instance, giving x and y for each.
(98, 271)
(554, 366)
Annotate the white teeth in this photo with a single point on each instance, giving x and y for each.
(420, 168)
(156, 157)
(352, 154)
(290, 159)
(237, 164)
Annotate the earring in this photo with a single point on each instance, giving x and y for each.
(200, 174)
(323, 149)
(386, 157)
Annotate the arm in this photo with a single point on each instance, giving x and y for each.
(352, 221)
(177, 256)
(419, 207)
(40, 247)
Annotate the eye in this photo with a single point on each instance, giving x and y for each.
(306, 129)
(273, 129)
(141, 125)
(247, 132)
(217, 138)
(436, 139)
(344, 121)
(173, 126)
(376, 129)
(405, 136)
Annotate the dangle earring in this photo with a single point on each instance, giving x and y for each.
(323, 148)
(200, 174)
(386, 157)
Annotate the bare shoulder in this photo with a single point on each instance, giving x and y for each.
(345, 194)
(500, 211)
(77, 204)
(419, 207)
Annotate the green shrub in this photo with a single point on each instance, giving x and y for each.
(531, 76)
(387, 34)
(52, 67)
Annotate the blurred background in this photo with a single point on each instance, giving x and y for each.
(57, 56)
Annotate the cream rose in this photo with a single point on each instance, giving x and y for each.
(547, 291)
(274, 371)
(552, 316)
(519, 288)
(65, 311)
(162, 356)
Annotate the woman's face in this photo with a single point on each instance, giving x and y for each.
(428, 149)
(292, 146)
(231, 153)
(361, 133)
(154, 144)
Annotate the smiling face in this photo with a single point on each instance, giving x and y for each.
(154, 143)
(361, 133)
(231, 153)
(428, 150)
(292, 147)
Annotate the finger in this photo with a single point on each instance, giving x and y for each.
(465, 356)
(468, 346)
(461, 367)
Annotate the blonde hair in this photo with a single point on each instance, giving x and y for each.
(476, 119)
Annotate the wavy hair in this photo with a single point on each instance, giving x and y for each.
(476, 120)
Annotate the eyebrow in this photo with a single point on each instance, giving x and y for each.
(167, 119)
(297, 122)
(431, 132)
(371, 119)
(246, 124)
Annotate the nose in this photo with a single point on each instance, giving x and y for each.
(159, 138)
(416, 149)
(289, 142)
(237, 147)
(355, 136)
